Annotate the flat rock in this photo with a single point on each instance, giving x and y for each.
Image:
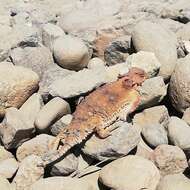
(155, 135)
(36, 146)
(146, 34)
(169, 159)
(8, 167)
(152, 92)
(120, 143)
(28, 173)
(51, 112)
(15, 129)
(178, 133)
(51, 32)
(179, 85)
(120, 174)
(52, 73)
(5, 185)
(60, 124)
(60, 183)
(152, 116)
(17, 85)
(146, 61)
(35, 58)
(174, 182)
(186, 116)
(71, 52)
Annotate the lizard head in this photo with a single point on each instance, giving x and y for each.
(135, 77)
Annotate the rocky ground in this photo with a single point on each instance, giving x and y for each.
(55, 52)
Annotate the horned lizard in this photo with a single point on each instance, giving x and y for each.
(98, 111)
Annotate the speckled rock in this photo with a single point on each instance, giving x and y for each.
(145, 36)
(36, 146)
(179, 85)
(29, 172)
(71, 52)
(17, 84)
(178, 133)
(120, 174)
(120, 143)
(146, 61)
(174, 182)
(51, 112)
(35, 58)
(15, 129)
(169, 159)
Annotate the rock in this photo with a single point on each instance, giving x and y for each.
(118, 50)
(152, 92)
(71, 52)
(60, 124)
(152, 116)
(146, 61)
(15, 129)
(184, 32)
(120, 174)
(35, 58)
(79, 83)
(51, 32)
(178, 132)
(31, 108)
(51, 112)
(179, 85)
(145, 36)
(53, 73)
(28, 173)
(36, 146)
(4, 154)
(8, 167)
(174, 182)
(5, 185)
(155, 135)
(66, 166)
(17, 85)
(95, 63)
(169, 159)
(120, 143)
(186, 116)
(59, 183)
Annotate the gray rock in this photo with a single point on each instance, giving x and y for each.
(178, 132)
(35, 58)
(5, 185)
(147, 34)
(179, 85)
(79, 83)
(51, 112)
(146, 61)
(120, 174)
(151, 116)
(120, 143)
(66, 166)
(174, 182)
(155, 135)
(36, 146)
(60, 183)
(50, 32)
(15, 129)
(60, 124)
(28, 173)
(169, 159)
(71, 53)
(17, 85)
(152, 92)
(52, 73)
(118, 50)
(186, 116)
(8, 167)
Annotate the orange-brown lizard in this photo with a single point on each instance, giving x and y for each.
(98, 111)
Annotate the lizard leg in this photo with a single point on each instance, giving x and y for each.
(124, 113)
